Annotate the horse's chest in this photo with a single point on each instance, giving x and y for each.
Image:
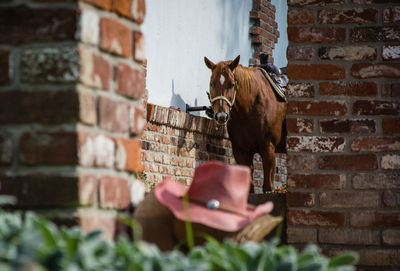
(245, 134)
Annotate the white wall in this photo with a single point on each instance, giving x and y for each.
(179, 33)
(279, 53)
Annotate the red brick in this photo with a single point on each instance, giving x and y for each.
(348, 16)
(314, 144)
(50, 148)
(315, 218)
(376, 181)
(301, 235)
(349, 199)
(379, 258)
(87, 106)
(300, 199)
(391, 15)
(132, 9)
(315, 71)
(316, 181)
(391, 237)
(302, 90)
(357, 89)
(390, 162)
(375, 144)
(90, 27)
(375, 219)
(35, 28)
(40, 190)
(88, 189)
(5, 73)
(300, 161)
(6, 149)
(364, 70)
(390, 52)
(96, 150)
(300, 52)
(131, 82)
(128, 155)
(137, 120)
(316, 34)
(348, 162)
(96, 70)
(348, 126)
(139, 47)
(391, 90)
(114, 192)
(347, 53)
(103, 4)
(375, 34)
(349, 236)
(391, 126)
(368, 107)
(91, 220)
(300, 17)
(57, 64)
(113, 115)
(313, 3)
(298, 125)
(391, 198)
(115, 37)
(317, 108)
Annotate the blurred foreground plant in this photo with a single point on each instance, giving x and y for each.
(28, 242)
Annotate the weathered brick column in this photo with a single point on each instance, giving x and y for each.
(264, 31)
(343, 124)
(71, 83)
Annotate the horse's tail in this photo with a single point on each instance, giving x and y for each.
(281, 146)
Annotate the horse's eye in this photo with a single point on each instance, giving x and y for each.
(231, 85)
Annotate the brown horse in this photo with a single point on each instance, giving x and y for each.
(242, 98)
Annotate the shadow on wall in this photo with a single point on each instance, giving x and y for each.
(178, 102)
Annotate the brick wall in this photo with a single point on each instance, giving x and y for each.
(174, 143)
(343, 128)
(71, 83)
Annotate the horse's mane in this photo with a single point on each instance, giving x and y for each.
(244, 77)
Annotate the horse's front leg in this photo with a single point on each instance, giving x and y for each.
(269, 165)
(244, 157)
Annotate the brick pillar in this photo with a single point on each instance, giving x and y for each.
(264, 30)
(343, 125)
(71, 83)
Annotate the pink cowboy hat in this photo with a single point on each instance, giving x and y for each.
(217, 197)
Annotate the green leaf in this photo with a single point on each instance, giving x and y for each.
(49, 232)
(348, 258)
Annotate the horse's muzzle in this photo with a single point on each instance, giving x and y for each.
(221, 118)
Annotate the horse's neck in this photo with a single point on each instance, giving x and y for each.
(245, 84)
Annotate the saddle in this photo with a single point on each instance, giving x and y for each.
(278, 80)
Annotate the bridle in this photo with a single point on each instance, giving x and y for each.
(223, 98)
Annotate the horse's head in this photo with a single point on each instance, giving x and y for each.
(222, 88)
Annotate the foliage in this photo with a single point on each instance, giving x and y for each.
(281, 189)
(28, 242)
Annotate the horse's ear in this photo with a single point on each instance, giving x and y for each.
(209, 63)
(234, 63)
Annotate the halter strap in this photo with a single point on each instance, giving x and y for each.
(225, 99)
(221, 97)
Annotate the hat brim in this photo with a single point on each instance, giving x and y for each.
(170, 193)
